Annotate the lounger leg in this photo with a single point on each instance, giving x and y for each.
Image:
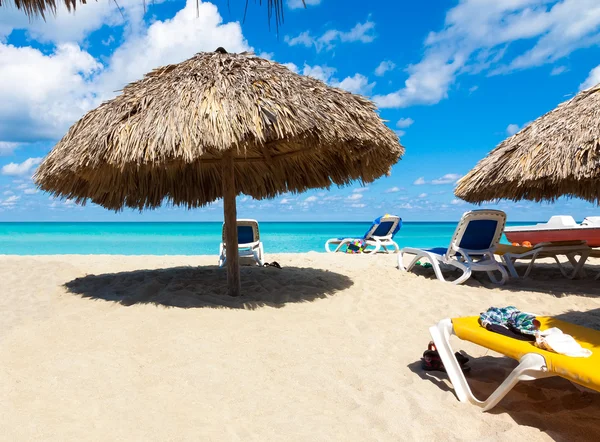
(221, 255)
(577, 265)
(401, 262)
(510, 265)
(504, 275)
(531, 366)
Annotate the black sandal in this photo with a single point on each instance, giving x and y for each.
(272, 264)
(431, 360)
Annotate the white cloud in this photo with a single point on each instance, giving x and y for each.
(473, 89)
(384, 67)
(449, 178)
(8, 192)
(558, 70)
(295, 4)
(323, 73)
(357, 84)
(24, 168)
(362, 32)
(360, 190)
(407, 206)
(358, 205)
(512, 129)
(403, 123)
(592, 80)
(67, 82)
(457, 202)
(171, 41)
(420, 181)
(355, 196)
(67, 26)
(57, 93)
(6, 148)
(285, 201)
(30, 191)
(292, 67)
(423, 195)
(311, 199)
(393, 190)
(10, 202)
(477, 33)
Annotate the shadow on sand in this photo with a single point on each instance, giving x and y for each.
(552, 405)
(193, 287)
(544, 278)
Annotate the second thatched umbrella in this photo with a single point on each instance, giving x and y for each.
(214, 126)
(558, 154)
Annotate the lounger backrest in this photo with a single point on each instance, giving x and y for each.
(247, 231)
(478, 230)
(384, 226)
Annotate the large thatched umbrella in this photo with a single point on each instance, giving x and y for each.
(39, 8)
(214, 126)
(558, 154)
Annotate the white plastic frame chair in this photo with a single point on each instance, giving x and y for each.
(551, 250)
(458, 256)
(385, 242)
(253, 249)
(531, 366)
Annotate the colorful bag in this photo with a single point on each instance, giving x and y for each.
(356, 246)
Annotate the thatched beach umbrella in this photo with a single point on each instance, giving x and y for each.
(215, 126)
(558, 154)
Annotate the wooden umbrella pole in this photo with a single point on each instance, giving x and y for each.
(231, 234)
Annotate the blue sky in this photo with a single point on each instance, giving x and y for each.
(454, 79)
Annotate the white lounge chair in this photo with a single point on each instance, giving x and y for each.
(379, 236)
(249, 243)
(571, 249)
(471, 249)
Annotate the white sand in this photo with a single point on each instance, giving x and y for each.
(326, 349)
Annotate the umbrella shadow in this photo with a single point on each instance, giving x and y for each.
(534, 404)
(197, 287)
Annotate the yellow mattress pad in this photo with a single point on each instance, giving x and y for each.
(584, 371)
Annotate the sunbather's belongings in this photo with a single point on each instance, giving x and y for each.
(426, 265)
(356, 246)
(555, 340)
(431, 360)
(510, 318)
(534, 362)
(272, 264)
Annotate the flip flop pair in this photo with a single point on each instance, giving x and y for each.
(431, 360)
(272, 264)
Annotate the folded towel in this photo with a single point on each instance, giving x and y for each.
(553, 339)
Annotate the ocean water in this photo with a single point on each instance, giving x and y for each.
(195, 238)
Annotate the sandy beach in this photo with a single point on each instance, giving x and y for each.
(327, 348)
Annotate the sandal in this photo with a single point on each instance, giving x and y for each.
(272, 264)
(431, 360)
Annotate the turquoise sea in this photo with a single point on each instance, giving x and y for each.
(171, 238)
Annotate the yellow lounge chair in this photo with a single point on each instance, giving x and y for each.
(534, 363)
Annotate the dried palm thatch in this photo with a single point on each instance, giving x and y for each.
(38, 8)
(214, 126)
(558, 154)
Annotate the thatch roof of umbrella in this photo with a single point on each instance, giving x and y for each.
(214, 126)
(39, 8)
(558, 154)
